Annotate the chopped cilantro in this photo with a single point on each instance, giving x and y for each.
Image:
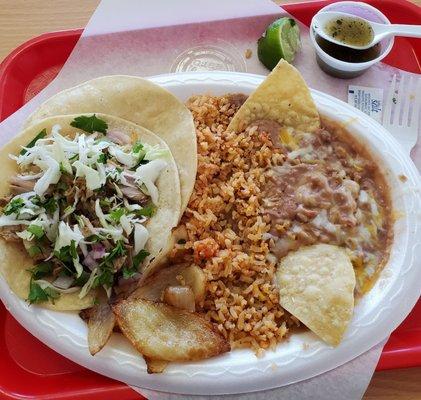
(147, 211)
(62, 169)
(38, 295)
(36, 230)
(94, 238)
(118, 251)
(83, 278)
(79, 220)
(68, 210)
(139, 257)
(128, 272)
(41, 270)
(105, 277)
(137, 147)
(34, 251)
(50, 205)
(139, 151)
(117, 214)
(72, 249)
(67, 254)
(36, 200)
(14, 206)
(103, 157)
(104, 202)
(40, 135)
(90, 124)
(64, 255)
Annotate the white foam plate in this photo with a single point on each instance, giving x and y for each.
(303, 355)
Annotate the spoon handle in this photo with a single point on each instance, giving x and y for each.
(406, 30)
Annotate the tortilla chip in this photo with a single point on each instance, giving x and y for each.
(14, 260)
(282, 97)
(316, 285)
(142, 102)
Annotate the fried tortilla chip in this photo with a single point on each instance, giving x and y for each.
(282, 97)
(162, 332)
(316, 285)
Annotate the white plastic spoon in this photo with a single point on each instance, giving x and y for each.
(380, 31)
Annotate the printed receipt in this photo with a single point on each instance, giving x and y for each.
(367, 99)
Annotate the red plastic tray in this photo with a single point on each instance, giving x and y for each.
(28, 368)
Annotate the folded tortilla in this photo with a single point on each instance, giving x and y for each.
(142, 102)
(282, 97)
(14, 260)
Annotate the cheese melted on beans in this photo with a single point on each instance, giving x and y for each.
(328, 190)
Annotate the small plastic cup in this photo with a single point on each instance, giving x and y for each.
(344, 69)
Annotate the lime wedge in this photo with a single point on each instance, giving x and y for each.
(280, 40)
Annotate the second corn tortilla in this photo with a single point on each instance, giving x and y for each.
(282, 97)
(316, 285)
(142, 102)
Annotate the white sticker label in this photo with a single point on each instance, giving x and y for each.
(367, 99)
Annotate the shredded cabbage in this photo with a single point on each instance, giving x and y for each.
(60, 156)
(10, 220)
(155, 152)
(51, 225)
(99, 213)
(44, 284)
(94, 179)
(115, 233)
(128, 159)
(147, 174)
(51, 175)
(66, 234)
(25, 235)
(88, 285)
(141, 236)
(125, 221)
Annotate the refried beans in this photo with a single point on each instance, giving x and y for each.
(328, 190)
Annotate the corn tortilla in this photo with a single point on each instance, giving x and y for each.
(14, 260)
(142, 102)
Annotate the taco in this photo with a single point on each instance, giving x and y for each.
(142, 102)
(283, 97)
(90, 204)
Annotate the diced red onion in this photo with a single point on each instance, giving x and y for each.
(98, 251)
(89, 261)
